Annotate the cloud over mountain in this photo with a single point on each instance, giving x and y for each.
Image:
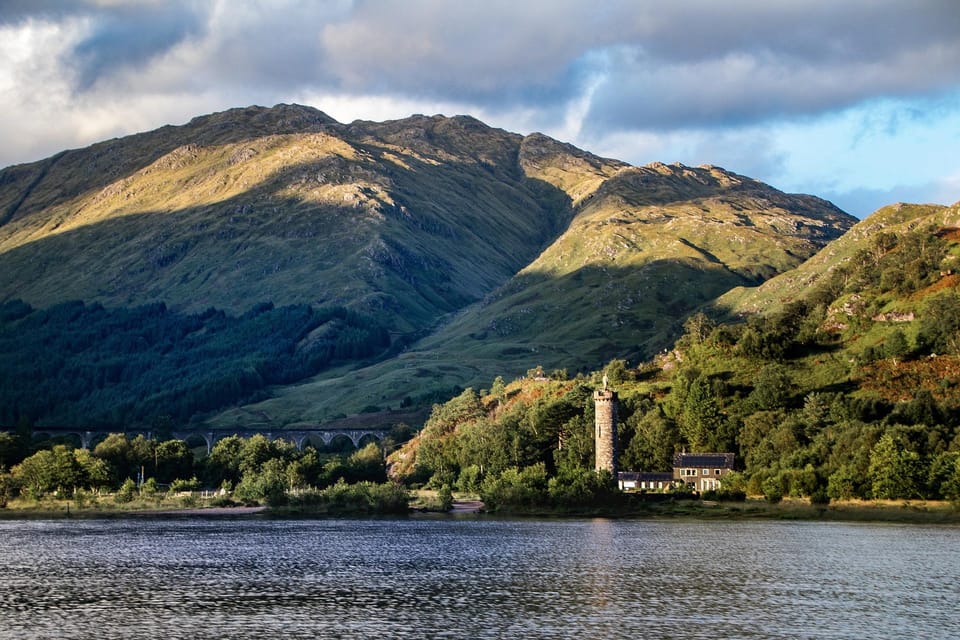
(667, 75)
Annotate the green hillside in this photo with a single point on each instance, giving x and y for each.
(646, 247)
(847, 387)
(476, 249)
(858, 245)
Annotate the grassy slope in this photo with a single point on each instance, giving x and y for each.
(383, 218)
(859, 319)
(647, 246)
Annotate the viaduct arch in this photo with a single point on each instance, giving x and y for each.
(298, 437)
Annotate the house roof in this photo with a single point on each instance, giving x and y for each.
(704, 460)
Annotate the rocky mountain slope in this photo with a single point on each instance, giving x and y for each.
(482, 251)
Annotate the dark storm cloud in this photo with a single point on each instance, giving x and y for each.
(129, 37)
(643, 65)
(14, 11)
(278, 48)
(121, 35)
(699, 63)
(491, 52)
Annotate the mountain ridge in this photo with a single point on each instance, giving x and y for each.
(505, 248)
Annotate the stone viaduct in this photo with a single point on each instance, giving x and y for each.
(299, 437)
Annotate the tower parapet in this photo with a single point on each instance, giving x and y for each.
(605, 411)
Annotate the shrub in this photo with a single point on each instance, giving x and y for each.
(185, 485)
(6, 488)
(222, 501)
(470, 479)
(581, 488)
(772, 490)
(82, 498)
(359, 498)
(820, 496)
(445, 498)
(125, 494)
(515, 488)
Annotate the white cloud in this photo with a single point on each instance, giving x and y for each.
(797, 93)
(34, 88)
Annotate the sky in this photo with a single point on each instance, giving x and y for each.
(855, 101)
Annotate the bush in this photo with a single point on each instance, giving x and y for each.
(681, 490)
(126, 492)
(445, 498)
(772, 490)
(6, 488)
(360, 498)
(261, 487)
(842, 484)
(470, 479)
(222, 501)
(185, 485)
(580, 488)
(820, 497)
(516, 488)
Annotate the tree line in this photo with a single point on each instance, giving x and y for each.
(817, 399)
(248, 470)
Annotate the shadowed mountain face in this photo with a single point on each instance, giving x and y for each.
(500, 251)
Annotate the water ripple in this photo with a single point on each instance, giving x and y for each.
(475, 579)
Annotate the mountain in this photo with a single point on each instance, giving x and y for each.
(405, 220)
(835, 380)
(480, 251)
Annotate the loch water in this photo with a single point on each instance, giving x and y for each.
(476, 578)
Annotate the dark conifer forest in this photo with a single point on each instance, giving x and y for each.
(76, 364)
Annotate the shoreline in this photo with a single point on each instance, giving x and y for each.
(877, 511)
(906, 512)
(62, 512)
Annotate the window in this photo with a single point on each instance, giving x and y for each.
(706, 472)
(717, 471)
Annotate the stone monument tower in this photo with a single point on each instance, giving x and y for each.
(605, 410)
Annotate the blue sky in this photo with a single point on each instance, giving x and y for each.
(855, 101)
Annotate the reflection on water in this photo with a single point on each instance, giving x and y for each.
(196, 578)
